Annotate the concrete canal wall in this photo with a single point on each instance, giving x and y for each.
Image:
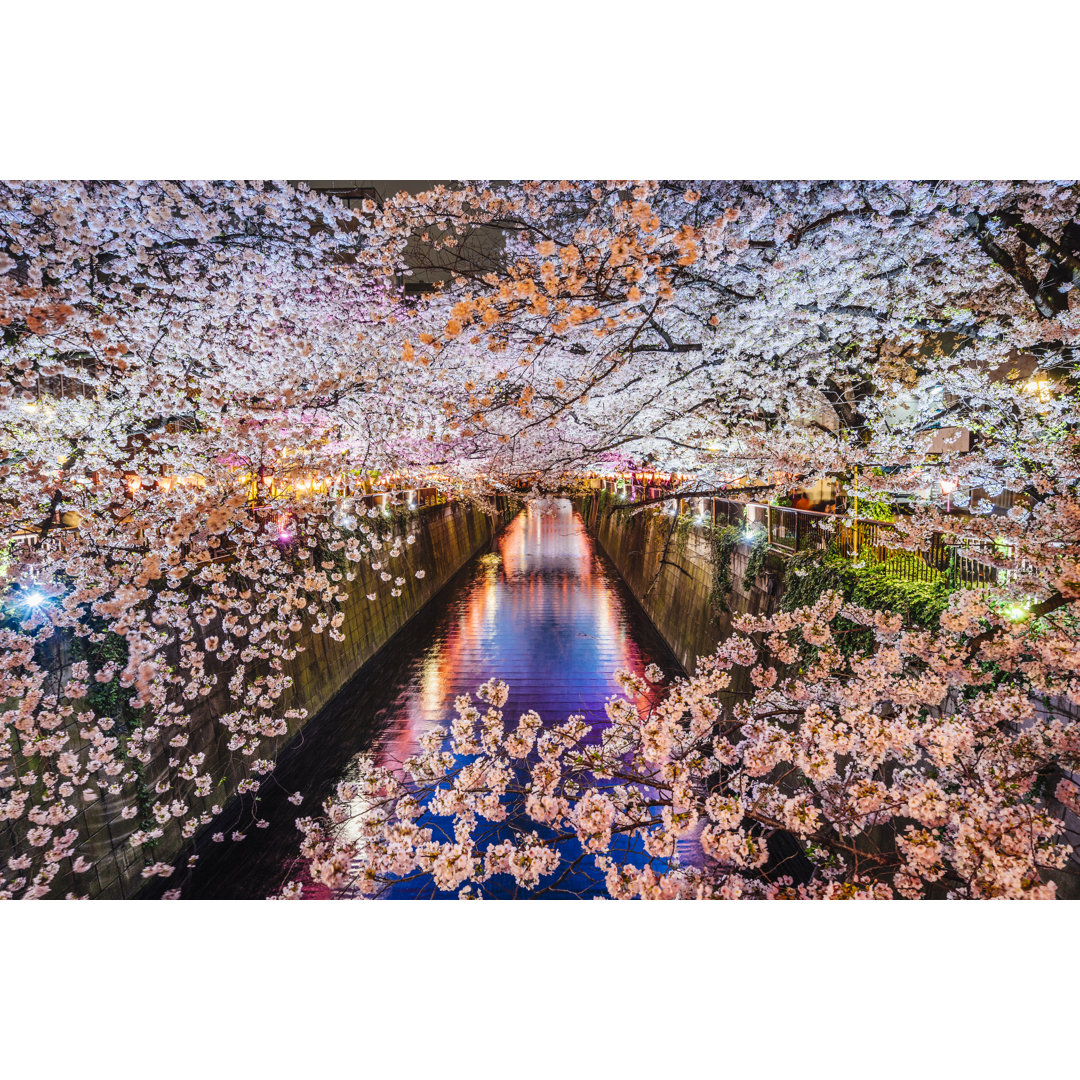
(447, 537)
(671, 576)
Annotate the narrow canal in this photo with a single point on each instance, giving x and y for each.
(546, 612)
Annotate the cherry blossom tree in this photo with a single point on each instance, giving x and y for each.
(781, 331)
(735, 326)
(193, 375)
(198, 377)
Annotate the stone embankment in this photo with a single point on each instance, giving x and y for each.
(670, 572)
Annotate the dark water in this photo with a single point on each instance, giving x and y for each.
(550, 617)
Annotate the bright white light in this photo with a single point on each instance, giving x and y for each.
(34, 599)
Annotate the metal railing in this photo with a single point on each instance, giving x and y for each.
(966, 564)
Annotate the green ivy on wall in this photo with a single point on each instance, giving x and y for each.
(603, 504)
(108, 699)
(759, 549)
(683, 524)
(403, 516)
(724, 540)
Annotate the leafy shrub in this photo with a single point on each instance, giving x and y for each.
(811, 573)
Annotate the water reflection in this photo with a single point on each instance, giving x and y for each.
(549, 616)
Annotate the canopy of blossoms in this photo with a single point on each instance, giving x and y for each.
(200, 370)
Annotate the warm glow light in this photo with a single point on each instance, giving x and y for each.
(1040, 387)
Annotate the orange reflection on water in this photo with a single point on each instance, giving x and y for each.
(547, 620)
